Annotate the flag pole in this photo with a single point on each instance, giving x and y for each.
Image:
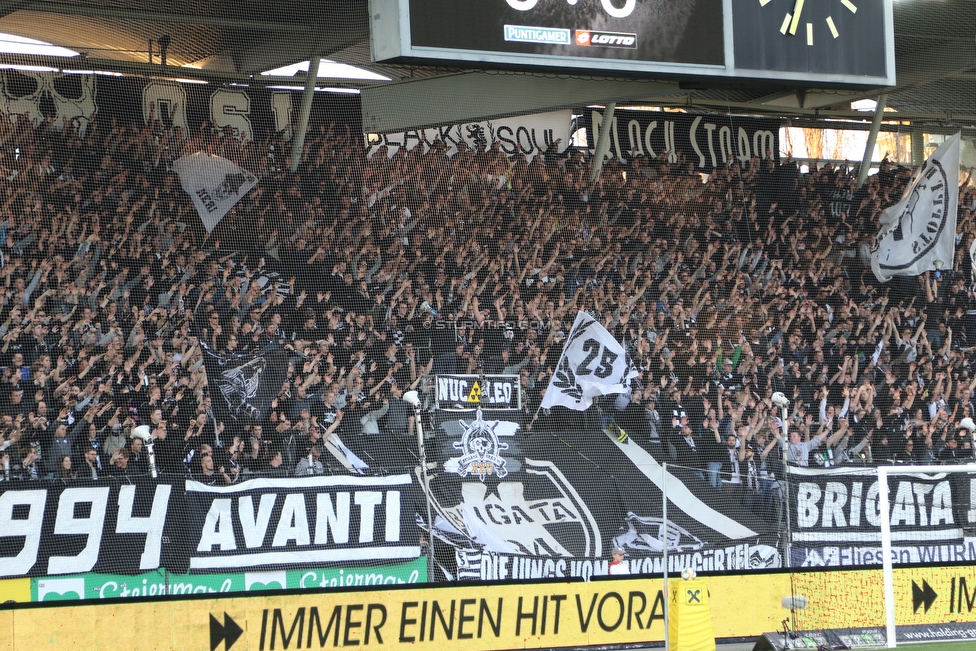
(535, 415)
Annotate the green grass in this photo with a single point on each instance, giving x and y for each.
(938, 646)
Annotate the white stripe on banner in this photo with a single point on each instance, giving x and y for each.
(314, 556)
(304, 483)
(930, 536)
(680, 496)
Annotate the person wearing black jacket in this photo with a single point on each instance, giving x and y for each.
(714, 449)
(633, 420)
(952, 454)
(689, 451)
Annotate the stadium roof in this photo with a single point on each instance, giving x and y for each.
(224, 41)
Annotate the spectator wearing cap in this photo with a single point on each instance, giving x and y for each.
(617, 565)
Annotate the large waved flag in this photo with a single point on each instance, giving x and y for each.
(215, 184)
(918, 233)
(242, 387)
(592, 364)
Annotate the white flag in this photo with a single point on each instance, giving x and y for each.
(215, 184)
(592, 364)
(918, 233)
(972, 258)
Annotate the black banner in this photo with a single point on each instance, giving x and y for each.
(469, 392)
(244, 386)
(840, 506)
(707, 141)
(106, 527)
(553, 506)
(248, 113)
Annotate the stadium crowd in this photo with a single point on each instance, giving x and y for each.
(375, 273)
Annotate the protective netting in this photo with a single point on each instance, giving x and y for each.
(168, 280)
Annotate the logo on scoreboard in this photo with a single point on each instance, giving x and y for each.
(543, 35)
(588, 38)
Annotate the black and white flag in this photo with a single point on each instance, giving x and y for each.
(243, 386)
(215, 184)
(592, 364)
(918, 233)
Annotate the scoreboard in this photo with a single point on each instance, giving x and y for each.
(814, 42)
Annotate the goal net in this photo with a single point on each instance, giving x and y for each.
(926, 536)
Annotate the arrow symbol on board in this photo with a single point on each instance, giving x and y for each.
(924, 595)
(228, 632)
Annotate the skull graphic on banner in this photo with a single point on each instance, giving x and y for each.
(40, 96)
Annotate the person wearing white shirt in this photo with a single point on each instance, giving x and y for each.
(617, 565)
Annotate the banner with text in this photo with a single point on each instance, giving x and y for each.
(105, 527)
(162, 583)
(515, 506)
(265, 523)
(470, 392)
(528, 615)
(525, 134)
(540, 614)
(836, 517)
(708, 141)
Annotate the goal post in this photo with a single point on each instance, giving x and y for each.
(884, 556)
(936, 504)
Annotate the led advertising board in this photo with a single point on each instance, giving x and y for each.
(826, 42)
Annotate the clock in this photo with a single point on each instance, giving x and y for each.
(840, 39)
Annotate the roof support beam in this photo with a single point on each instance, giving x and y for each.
(862, 174)
(298, 146)
(473, 96)
(72, 9)
(181, 72)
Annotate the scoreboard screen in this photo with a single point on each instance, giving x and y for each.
(832, 42)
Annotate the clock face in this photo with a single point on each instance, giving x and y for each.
(827, 37)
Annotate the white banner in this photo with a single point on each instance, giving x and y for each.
(215, 184)
(592, 364)
(918, 233)
(529, 134)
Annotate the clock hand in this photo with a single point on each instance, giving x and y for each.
(797, 9)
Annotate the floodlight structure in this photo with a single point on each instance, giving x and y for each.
(783, 403)
(412, 398)
(143, 432)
